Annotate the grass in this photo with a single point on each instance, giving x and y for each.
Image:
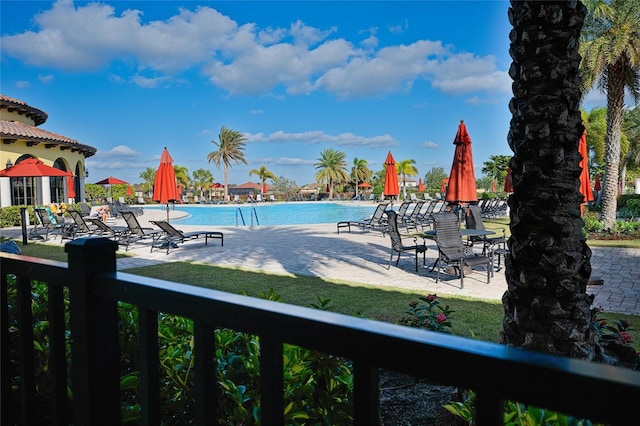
(472, 318)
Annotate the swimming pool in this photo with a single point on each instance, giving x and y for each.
(298, 213)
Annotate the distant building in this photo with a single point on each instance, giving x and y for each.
(22, 139)
(248, 188)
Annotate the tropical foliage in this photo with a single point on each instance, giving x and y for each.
(406, 168)
(611, 61)
(263, 174)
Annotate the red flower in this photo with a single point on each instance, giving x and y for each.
(441, 318)
(431, 297)
(626, 337)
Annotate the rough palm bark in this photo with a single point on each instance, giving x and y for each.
(546, 305)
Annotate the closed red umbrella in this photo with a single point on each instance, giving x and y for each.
(71, 189)
(129, 191)
(493, 186)
(391, 187)
(508, 182)
(420, 185)
(462, 180)
(165, 188)
(443, 185)
(585, 182)
(597, 186)
(264, 187)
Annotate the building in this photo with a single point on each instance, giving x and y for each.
(22, 139)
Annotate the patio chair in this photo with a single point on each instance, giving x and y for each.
(376, 222)
(473, 220)
(452, 250)
(115, 233)
(136, 232)
(173, 236)
(47, 224)
(80, 227)
(397, 246)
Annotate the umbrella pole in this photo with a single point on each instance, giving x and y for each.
(167, 212)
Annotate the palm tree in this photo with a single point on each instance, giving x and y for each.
(202, 178)
(631, 126)
(149, 177)
(546, 308)
(406, 168)
(360, 172)
(182, 177)
(230, 149)
(332, 168)
(611, 59)
(263, 174)
(496, 168)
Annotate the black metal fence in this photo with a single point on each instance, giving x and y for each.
(495, 372)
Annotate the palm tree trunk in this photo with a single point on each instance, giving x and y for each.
(615, 111)
(546, 307)
(226, 183)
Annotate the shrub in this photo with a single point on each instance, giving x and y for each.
(430, 315)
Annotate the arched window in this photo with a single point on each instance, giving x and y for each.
(23, 189)
(57, 183)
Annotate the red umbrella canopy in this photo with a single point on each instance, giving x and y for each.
(71, 189)
(165, 188)
(129, 191)
(364, 185)
(597, 186)
(585, 182)
(508, 183)
(443, 185)
(391, 187)
(420, 185)
(112, 181)
(462, 180)
(31, 167)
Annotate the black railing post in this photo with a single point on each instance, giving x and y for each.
(95, 355)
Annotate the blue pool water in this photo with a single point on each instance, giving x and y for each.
(302, 213)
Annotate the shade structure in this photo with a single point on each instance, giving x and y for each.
(462, 179)
(165, 188)
(31, 167)
(112, 181)
(71, 189)
(443, 185)
(364, 185)
(598, 185)
(585, 182)
(508, 181)
(391, 186)
(420, 185)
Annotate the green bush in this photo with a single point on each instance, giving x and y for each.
(631, 209)
(10, 216)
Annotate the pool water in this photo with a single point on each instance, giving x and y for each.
(299, 213)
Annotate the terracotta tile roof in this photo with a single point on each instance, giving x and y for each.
(250, 185)
(13, 104)
(16, 130)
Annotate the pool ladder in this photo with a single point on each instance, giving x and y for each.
(252, 214)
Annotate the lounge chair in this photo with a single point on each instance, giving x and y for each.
(115, 233)
(376, 222)
(136, 232)
(452, 250)
(173, 236)
(80, 228)
(413, 219)
(47, 224)
(397, 246)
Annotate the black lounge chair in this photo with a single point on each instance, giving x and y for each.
(117, 234)
(136, 232)
(452, 250)
(47, 224)
(397, 246)
(80, 227)
(376, 222)
(173, 236)
(474, 220)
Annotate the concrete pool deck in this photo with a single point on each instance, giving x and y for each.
(362, 257)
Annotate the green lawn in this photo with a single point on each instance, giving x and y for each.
(473, 318)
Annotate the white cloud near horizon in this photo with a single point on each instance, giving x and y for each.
(347, 139)
(244, 59)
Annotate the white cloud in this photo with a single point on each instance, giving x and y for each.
(349, 140)
(45, 78)
(244, 59)
(429, 145)
(22, 84)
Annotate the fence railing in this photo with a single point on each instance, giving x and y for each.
(495, 372)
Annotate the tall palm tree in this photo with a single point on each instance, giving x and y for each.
(263, 174)
(496, 168)
(360, 172)
(611, 59)
(546, 308)
(331, 168)
(231, 145)
(149, 177)
(631, 127)
(406, 168)
(182, 177)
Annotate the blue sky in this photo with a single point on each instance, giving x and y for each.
(131, 77)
